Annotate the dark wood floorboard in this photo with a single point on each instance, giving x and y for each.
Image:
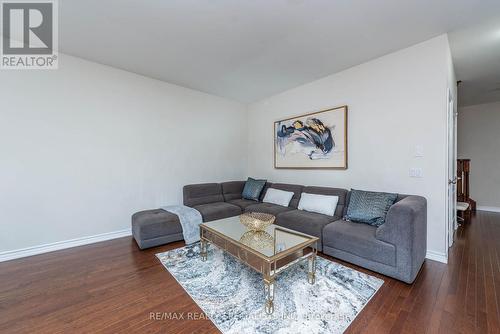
(113, 287)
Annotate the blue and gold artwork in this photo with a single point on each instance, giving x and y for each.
(316, 140)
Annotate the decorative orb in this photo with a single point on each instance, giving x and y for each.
(256, 221)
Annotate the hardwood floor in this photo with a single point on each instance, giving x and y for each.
(113, 287)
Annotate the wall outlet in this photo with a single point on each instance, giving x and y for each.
(416, 172)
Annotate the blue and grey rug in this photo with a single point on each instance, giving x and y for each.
(232, 294)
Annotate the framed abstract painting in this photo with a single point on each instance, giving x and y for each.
(312, 141)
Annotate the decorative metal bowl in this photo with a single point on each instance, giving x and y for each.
(256, 221)
(257, 240)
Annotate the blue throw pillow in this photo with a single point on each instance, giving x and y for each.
(253, 188)
(369, 207)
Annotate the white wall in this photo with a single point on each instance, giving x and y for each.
(85, 146)
(395, 102)
(479, 140)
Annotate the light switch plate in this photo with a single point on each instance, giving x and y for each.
(419, 151)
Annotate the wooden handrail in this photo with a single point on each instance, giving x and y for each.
(463, 184)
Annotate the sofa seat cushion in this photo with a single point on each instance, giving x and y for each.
(306, 222)
(270, 208)
(359, 239)
(242, 203)
(217, 210)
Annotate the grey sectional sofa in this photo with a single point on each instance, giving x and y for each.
(396, 249)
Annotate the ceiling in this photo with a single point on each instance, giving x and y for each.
(247, 50)
(476, 56)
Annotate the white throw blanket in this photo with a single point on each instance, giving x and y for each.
(190, 221)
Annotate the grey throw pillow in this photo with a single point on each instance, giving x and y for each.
(369, 207)
(253, 188)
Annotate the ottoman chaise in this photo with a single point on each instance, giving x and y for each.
(152, 228)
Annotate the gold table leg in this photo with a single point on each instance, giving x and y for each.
(311, 275)
(269, 289)
(203, 250)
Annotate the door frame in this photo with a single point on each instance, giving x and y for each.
(451, 172)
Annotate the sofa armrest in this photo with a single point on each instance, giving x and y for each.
(405, 223)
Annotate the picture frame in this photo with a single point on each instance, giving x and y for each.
(316, 140)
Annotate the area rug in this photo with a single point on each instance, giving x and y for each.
(232, 294)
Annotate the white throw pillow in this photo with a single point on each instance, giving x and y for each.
(279, 197)
(318, 203)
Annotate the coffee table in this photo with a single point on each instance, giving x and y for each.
(268, 252)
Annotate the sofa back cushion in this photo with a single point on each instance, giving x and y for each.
(263, 193)
(295, 188)
(341, 193)
(400, 197)
(232, 190)
(203, 193)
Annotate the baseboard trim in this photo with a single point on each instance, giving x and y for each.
(55, 246)
(488, 208)
(436, 256)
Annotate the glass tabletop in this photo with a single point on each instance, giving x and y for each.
(273, 240)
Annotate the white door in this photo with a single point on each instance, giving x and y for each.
(452, 169)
